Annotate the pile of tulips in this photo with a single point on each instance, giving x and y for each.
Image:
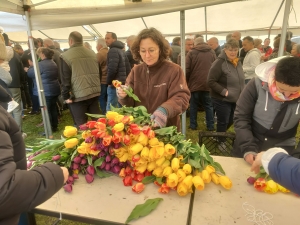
(266, 185)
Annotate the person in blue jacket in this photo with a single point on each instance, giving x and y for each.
(282, 168)
(49, 76)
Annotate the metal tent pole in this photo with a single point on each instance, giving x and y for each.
(40, 88)
(269, 33)
(284, 27)
(205, 14)
(182, 37)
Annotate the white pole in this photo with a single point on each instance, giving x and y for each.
(37, 73)
(182, 37)
(284, 27)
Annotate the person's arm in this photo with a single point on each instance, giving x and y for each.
(5, 76)
(254, 61)
(214, 75)
(130, 83)
(4, 95)
(112, 65)
(66, 77)
(243, 119)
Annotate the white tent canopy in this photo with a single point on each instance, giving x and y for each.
(57, 19)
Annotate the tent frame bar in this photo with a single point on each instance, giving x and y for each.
(284, 27)
(144, 22)
(269, 34)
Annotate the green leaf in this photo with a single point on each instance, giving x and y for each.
(143, 209)
(90, 160)
(43, 156)
(130, 94)
(194, 163)
(159, 180)
(148, 179)
(98, 162)
(218, 167)
(95, 115)
(74, 154)
(102, 174)
(262, 170)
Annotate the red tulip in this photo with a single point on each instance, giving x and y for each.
(68, 188)
(164, 189)
(128, 171)
(70, 180)
(83, 161)
(107, 140)
(126, 139)
(56, 157)
(94, 132)
(138, 188)
(125, 119)
(102, 120)
(122, 173)
(117, 137)
(91, 124)
(151, 134)
(127, 181)
(83, 127)
(77, 159)
(111, 123)
(89, 178)
(147, 173)
(100, 126)
(101, 134)
(138, 177)
(251, 180)
(134, 129)
(90, 170)
(136, 158)
(260, 184)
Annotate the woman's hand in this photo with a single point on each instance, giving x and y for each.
(65, 173)
(120, 91)
(257, 163)
(26, 69)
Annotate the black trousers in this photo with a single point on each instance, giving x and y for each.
(79, 110)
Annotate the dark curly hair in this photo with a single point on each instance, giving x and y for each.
(288, 71)
(157, 37)
(46, 51)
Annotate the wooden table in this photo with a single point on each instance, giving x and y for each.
(215, 205)
(107, 201)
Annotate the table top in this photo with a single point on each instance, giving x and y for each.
(216, 205)
(109, 200)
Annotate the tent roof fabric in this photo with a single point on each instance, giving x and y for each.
(58, 18)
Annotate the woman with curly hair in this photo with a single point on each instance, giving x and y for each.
(159, 83)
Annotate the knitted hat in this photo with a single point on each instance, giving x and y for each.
(3, 54)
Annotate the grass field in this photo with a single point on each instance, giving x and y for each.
(33, 132)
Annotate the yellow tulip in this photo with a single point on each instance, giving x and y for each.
(118, 118)
(187, 169)
(188, 181)
(111, 115)
(71, 143)
(119, 127)
(225, 182)
(172, 180)
(198, 183)
(167, 171)
(158, 172)
(70, 131)
(153, 142)
(131, 118)
(215, 178)
(210, 169)
(175, 164)
(161, 144)
(135, 149)
(160, 161)
(151, 166)
(169, 149)
(181, 175)
(159, 152)
(141, 168)
(145, 153)
(133, 138)
(271, 187)
(166, 164)
(85, 134)
(142, 139)
(141, 162)
(152, 154)
(92, 152)
(169, 157)
(182, 190)
(81, 149)
(205, 176)
(124, 157)
(283, 189)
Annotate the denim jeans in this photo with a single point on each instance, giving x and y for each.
(35, 103)
(224, 111)
(112, 98)
(103, 98)
(52, 111)
(204, 98)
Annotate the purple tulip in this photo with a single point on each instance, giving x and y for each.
(89, 178)
(115, 161)
(56, 157)
(75, 166)
(122, 164)
(251, 180)
(108, 158)
(94, 157)
(81, 155)
(70, 180)
(68, 188)
(103, 165)
(83, 161)
(117, 145)
(100, 146)
(90, 170)
(116, 169)
(83, 127)
(101, 154)
(75, 176)
(106, 149)
(29, 164)
(30, 157)
(89, 140)
(77, 159)
(107, 167)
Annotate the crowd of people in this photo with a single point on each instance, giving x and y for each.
(242, 83)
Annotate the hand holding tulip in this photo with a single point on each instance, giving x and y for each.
(120, 91)
(257, 163)
(65, 173)
(160, 117)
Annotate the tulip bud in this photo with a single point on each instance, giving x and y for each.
(75, 176)
(251, 180)
(101, 154)
(160, 161)
(138, 177)
(81, 155)
(75, 166)
(215, 178)
(77, 159)
(68, 188)
(151, 134)
(158, 172)
(117, 145)
(225, 182)
(124, 157)
(122, 172)
(118, 127)
(71, 143)
(136, 158)
(127, 181)
(188, 181)
(141, 168)
(187, 169)
(283, 189)
(135, 149)
(172, 180)
(271, 187)
(116, 169)
(70, 131)
(169, 149)
(153, 142)
(89, 178)
(29, 164)
(142, 139)
(103, 165)
(164, 189)
(210, 169)
(90, 170)
(151, 166)
(115, 161)
(138, 188)
(83, 161)
(205, 176)
(108, 158)
(175, 164)
(182, 189)
(83, 127)
(70, 180)
(181, 175)
(167, 171)
(107, 167)
(56, 157)
(198, 183)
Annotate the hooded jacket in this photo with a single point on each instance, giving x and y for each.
(162, 84)
(224, 76)
(198, 62)
(251, 61)
(118, 66)
(261, 122)
(21, 190)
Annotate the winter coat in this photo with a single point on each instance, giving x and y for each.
(56, 59)
(102, 60)
(198, 62)
(224, 76)
(21, 190)
(129, 55)
(218, 50)
(49, 76)
(118, 66)
(176, 49)
(251, 61)
(16, 71)
(162, 84)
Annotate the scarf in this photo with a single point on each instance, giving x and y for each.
(277, 95)
(235, 61)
